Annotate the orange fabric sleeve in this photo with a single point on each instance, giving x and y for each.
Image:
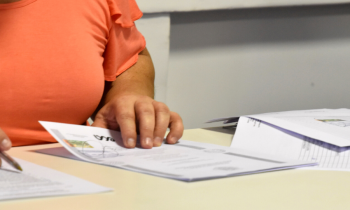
(125, 41)
(124, 12)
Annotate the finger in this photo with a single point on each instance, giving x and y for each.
(162, 118)
(100, 122)
(125, 116)
(105, 118)
(5, 142)
(146, 120)
(176, 128)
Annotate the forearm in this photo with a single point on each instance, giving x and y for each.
(139, 80)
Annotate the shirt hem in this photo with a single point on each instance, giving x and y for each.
(17, 4)
(133, 61)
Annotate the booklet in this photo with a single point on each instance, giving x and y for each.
(326, 125)
(185, 161)
(258, 135)
(331, 126)
(321, 135)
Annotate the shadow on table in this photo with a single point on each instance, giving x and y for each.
(225, 129)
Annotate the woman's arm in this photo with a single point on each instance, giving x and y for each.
(128, 105)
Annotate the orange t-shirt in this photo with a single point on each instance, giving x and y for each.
(54, 58)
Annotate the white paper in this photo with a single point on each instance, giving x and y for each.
(187, 161)
(39, 181)
(259, 136)
(327, 125)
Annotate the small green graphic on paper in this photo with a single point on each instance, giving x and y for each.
(78, 144)
(336, 122)
(330, 120)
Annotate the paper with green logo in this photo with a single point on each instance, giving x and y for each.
(186, 160)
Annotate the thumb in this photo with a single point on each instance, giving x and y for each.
(105, 118)
(5, 142)
(105, 123)
(100, 122)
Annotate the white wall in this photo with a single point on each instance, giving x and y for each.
(156, 30)
(152, 6)
(234, 62)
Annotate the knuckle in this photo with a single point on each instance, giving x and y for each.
(162, 108)
(144, 99)
(147, 112)
(125, 116)
(123, 98)
(144, 109)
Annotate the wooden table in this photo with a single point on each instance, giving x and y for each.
(282, 190)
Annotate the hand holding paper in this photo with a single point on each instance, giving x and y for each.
(186, 160)
(152, 118)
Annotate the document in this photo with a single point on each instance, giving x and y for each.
(39, 181)
(186, 161)
(327, 125)
(259, 136)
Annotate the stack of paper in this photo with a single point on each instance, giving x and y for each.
(321, 135)
(186, 161)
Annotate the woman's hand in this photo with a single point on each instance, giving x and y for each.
(128, 106)
(129, 113)
(5, 143)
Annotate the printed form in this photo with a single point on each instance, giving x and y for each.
(186, 161)
(260, 136)
(39, 181)
(328, 125)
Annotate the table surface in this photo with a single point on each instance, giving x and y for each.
(287, 189)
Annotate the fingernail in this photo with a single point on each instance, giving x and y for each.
(131, 142)
(148, 141)
(157, 142)
(174, 140)
(6, 144)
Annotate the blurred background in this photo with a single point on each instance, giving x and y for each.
(235, 57)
